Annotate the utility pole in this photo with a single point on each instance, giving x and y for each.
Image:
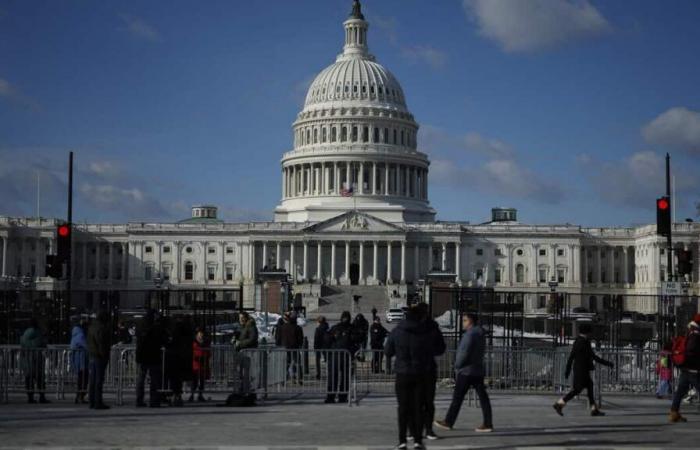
(669, 237)
(69, 261)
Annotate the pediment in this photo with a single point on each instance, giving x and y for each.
(354, 222)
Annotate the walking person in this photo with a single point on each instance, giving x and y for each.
(582, 358)
(413, 344)
(664, 370)
(362, 327)
(201, 368)
(688, 361)
(179, 354)
(80, 360)
(33, 342)
(98, 348)
(341, 336)
(428, 404)
(151, 339)
(469, 365)
(377, 335)
(319, 343)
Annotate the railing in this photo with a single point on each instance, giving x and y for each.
(277, 372)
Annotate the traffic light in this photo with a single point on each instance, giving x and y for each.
(63, 240)
(685, 262)
(663, 216)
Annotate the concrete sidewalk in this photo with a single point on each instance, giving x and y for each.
(520, 422)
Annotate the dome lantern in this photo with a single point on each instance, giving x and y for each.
(356, 33)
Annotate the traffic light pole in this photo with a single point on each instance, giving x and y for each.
(69, 261)
(669, 237)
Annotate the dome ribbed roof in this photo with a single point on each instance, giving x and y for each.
(359, 79)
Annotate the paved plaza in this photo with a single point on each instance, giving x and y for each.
(520, 422)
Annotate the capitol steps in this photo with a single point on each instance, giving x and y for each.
(337, 299)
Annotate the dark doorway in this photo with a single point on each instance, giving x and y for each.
(354, 274)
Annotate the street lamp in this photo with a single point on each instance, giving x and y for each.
(553, 284)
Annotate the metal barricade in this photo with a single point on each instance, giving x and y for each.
(297, 372)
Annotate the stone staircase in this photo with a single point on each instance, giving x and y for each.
(336, 299)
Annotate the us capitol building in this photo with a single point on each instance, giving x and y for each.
(354, 210)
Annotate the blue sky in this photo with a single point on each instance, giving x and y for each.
(563, 109)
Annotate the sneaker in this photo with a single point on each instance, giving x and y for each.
(409, 437)
(559, 408)
(596, 412)
(483, 429)
(442, 425)
(418, 446)
(431, 436)
(401, 446)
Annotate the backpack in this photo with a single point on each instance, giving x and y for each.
(678, 351)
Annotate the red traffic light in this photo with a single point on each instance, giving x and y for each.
(64, 230)
(662, 204)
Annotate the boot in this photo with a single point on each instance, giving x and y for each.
(82, 398)
(595, 412)
(200, 398)
(30, 398)
(675, 417)
(191, 398)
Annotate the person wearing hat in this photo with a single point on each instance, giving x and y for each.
(341, 336)
(582, 359)
(690, 369)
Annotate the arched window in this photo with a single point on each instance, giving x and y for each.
(365, 134)
(344, 134)
(189, 271)
(315, 135)
(333, 134)
(386, 135)
(376, 135)
(354, 134)
(324, 135)
(519, 273)
(308, 136)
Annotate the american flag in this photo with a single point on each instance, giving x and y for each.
(347, 191)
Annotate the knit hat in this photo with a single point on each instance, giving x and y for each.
(696, 321)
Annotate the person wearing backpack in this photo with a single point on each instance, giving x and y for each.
(686, 356)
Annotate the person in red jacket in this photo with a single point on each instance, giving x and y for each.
(690, 370)
(201, 355)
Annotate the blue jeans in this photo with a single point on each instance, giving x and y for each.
(686, 380)
(97, 380)
(664, 388)
(464, 383)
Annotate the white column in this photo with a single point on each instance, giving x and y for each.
(205, 247)
(319, 262)
(361, 180)
(625, 266)
(4, 256)
(362, 263)
(458, 268)
(178, 267)
(264, 255)
(416, 262)
(375, 256)
(397, 171)
(386, 178)
(443, 257)
(347, 260)
(348, 180)
(611, 265)
(388, 262)
(534, 276)
(374, 178)
(333, 261)
(336, 181)
(251, 260)
(326, 180)
(223, 261)
(576, 265)
(292, 264)
(403, 262)
(306, 261)
(278, 256)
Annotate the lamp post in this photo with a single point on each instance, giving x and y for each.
(553, 284)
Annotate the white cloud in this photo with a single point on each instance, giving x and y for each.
(425, 54)
(131, 202)
(637, 180)
(5, 89)
(435, 139)
(678, 128)
(525, 26)
(140, 29)
(11, 93)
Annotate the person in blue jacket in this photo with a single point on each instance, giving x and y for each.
(79, 360)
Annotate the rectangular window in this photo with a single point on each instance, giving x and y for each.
(166, 249)
(590, 277)
(386, 135)
(365, 134)
(189, 271)
(229, 250)
(560, 275)
(211, 250)
(229, 273)
(211, 273)
(148, 273)
(663, 251)
(166, 272)
(376, 135)
(480, 274)
(479, 251)
(354, 134)
(148, 249)
(498, 252)
(543, 275)
(560, 252)
(541, 302)
(603, 277)
(497, 276)
(543, 252)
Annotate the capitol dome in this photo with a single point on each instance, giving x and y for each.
(355, 143)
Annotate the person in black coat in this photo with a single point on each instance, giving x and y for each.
(291, 338)
(178, 354)
(151, 339)
(342, 336)
(377, 335)
(319, 343)
(582, 359)
(415, 346)
(362, 327)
